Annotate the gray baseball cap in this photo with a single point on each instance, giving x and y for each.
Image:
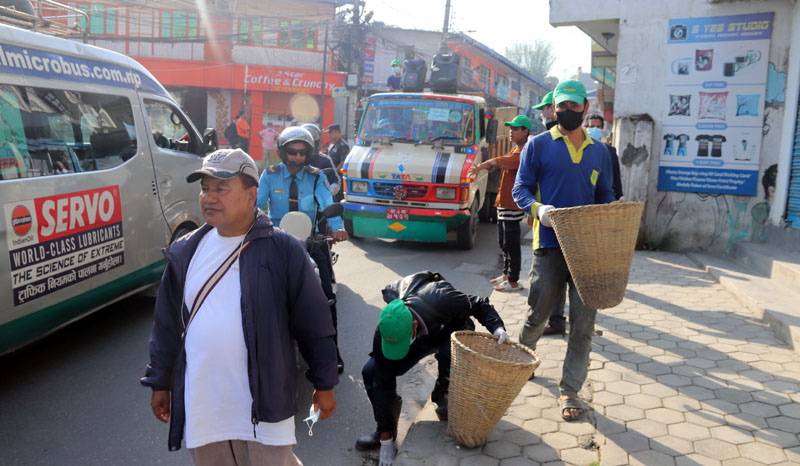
(224, 164)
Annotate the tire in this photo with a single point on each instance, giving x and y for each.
(348, 227)
(182, 230)
(468, 231)
(488, 210)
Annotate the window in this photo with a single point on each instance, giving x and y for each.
(250, 31)
(50, 132)
(102, 19)
(485, 74)
(466, 61)
(295, 36)
(169, 128)
(419, 121)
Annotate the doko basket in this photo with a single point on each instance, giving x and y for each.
(598, 242)
(484, 380)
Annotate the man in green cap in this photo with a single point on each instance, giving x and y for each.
(508, 214)
(561, 168)
(394, 81)
(423, 310)
(546, 107)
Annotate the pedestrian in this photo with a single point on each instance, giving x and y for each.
(422, 311)
(561, 168)
(243, 131)
(294, 185)
(323, 161)
(337, 151)
(394, 81)
(594, 126)
(235, 296)
(508, 214)
(268, 136)
(546, 107)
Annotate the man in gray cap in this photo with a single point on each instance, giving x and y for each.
(235, 296)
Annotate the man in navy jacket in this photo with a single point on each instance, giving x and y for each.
(229, 369)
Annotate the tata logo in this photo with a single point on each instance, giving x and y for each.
(401, 176)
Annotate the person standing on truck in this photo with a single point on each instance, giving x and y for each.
(222, 360)
(422, 311)
(508, 214)
(394, 81)
(293, 185)
(243, 131)
(563, 167)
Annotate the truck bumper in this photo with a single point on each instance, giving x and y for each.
(427, 225)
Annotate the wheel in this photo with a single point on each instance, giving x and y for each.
(182, 230)
(468, 231)
(488, 210)
(348, 227)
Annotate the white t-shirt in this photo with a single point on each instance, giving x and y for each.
(218, 399)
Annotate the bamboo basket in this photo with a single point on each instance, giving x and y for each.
(484, 380)
(598, 242)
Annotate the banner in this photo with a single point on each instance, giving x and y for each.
(716, 76)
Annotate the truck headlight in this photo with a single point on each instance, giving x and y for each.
(446, 193)
(359, 186)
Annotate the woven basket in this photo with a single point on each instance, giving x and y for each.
(598, 243)
(484, 380)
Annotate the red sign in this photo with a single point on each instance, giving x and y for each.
(67, 214)
(21, 220)
(263, 78)
(396, 213)
(367, 78)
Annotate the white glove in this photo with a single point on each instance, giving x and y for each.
(541, 212)
(501, 335)
(334, 189)
(388, 453)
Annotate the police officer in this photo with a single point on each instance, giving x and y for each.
(322, 161)
(293, 185)
(337, 151)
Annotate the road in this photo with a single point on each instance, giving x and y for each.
(73, 398)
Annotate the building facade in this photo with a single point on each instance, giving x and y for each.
(704, 94)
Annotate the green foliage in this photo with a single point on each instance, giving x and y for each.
(536, 57)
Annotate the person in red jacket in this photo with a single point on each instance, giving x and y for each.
(508, 214)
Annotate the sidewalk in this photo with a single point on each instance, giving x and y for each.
(682, 374)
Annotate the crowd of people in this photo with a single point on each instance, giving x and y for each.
(238, 293)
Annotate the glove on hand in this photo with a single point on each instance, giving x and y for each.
(334, 189)
(501, 335)
(388, 453)
(541, 212)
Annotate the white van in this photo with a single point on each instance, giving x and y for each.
(93, 158)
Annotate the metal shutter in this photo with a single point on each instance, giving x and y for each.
(793, 203)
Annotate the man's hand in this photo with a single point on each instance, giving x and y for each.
(621, 199)
(334, 189)
(501, 335)
(541, 212)
(340, 235)
(160, 404)
(325, 402)
(474, 170)
(529, 220)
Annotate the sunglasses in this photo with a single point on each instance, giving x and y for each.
(290, 151)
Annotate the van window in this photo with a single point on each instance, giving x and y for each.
(419, 120)
(50, 131)
(169, 129)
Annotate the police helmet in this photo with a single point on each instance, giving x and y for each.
(294, 134)
(316, 133)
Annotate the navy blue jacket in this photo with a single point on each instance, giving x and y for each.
(282, 301)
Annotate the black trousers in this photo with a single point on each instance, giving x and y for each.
(380, 374)
(508, 232)
(323, 259)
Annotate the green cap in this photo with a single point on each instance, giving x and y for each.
(546, 100)
(396, 62)
(520, 121)
(395, 325)
(571, 90)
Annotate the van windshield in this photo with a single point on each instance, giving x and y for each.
(419, 121)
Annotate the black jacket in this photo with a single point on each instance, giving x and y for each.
(438, 303)
(281, 302)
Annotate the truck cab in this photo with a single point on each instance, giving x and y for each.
(407, 177)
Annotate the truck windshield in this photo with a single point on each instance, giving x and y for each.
(419, 120)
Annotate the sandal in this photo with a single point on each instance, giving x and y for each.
(507, 286)
(499, 279)
(570, 403)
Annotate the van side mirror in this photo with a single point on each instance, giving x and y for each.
(491, 131)
(210, 141)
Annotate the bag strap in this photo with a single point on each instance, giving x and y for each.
(212, 281)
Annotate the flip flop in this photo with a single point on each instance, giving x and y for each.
(570, 403)
(499, 279)
(506, 286)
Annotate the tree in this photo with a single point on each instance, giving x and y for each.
(535, 57)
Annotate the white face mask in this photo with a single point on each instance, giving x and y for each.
(396, 69)
(313, 417)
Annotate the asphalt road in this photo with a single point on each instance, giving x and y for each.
(73, 398)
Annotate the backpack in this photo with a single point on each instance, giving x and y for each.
(230, 132)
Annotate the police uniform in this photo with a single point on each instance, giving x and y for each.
(338, 151)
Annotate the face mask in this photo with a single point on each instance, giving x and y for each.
(550, 124)
(595, 133)
(313, 417)
(396, 69)
(569, 119)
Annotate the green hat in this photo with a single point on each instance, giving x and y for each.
(395, 325)
(396, 62)
(546, 100)
(571, 90)
(520, 121)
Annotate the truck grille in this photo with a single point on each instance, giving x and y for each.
(413, 191)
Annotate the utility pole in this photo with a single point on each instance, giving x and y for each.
(446, 27)
(322, 88)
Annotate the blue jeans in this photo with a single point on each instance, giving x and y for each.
(548, 277)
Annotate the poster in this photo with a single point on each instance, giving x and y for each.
(713, 100)
(58, 241)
